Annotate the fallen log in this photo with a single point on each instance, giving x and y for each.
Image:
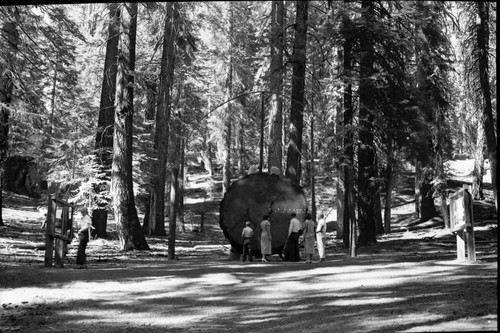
(250, 198)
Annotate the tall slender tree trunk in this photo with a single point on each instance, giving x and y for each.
(157, 207)
(275, 155)
(347, 162)
(129, 228)
(440, 187)
(366, 154)
(240, 145)
(206, 153)
(174, 185)
(389, 183)
(226, 169)
(488, 121)
(9, 43)
(293, 163)
(105, 122)
(478, 173)
(418, 177)
(313, 173)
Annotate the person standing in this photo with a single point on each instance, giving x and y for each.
(84, 226)
(247, 235)
(265, 239)
(321, 237)
(292, 249)
(309, 233)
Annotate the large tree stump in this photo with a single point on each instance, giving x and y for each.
(250, 198)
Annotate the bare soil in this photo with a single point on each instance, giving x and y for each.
(410, 281)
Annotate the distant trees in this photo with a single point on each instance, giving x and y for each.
(9, 40)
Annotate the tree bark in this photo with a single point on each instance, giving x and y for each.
(294, 151)
(389, 183)
(488, 120)
(226, 170)
(275, 153)
(366, 152)
(9, 43)
(129, 228)
(347, 161)
(174, 186)
(478, 173)
(313, 173)
(156, 221)
(106, 120)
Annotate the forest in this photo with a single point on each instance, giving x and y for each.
(164, 119)
(111, 105)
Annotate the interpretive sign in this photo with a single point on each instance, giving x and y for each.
(462, 224)
(59, 230)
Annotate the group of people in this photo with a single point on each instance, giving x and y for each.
(312, 233)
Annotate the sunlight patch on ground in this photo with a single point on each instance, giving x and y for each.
(364, 301)
(485, 323)
(140, 319)
(372, 323)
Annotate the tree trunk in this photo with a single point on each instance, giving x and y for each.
(226, 170)
(313, 180)
(182, 181)
(389, 183)
(440, 186)
(275, 155)
(366, 153)
(157, 213)
(488, 120)
(347, 135)
(174, 186)
(418, 177)
(206, 153)
(426, 199)
(9, 43)
(127, 221)
(293, 163)
(478, 173)
(241, 145)
(106, 120)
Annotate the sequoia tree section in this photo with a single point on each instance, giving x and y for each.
(250, 198)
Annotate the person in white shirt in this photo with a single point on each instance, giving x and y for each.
(84, 226)
(321, 237)
(292, 252)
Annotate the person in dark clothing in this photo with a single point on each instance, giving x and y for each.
(292, 252)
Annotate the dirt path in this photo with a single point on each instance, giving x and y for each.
(369, 293)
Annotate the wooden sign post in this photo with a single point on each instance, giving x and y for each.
(59, 230)
(462, 224)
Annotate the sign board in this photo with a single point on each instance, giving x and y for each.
(462, 224)
(460, 210)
